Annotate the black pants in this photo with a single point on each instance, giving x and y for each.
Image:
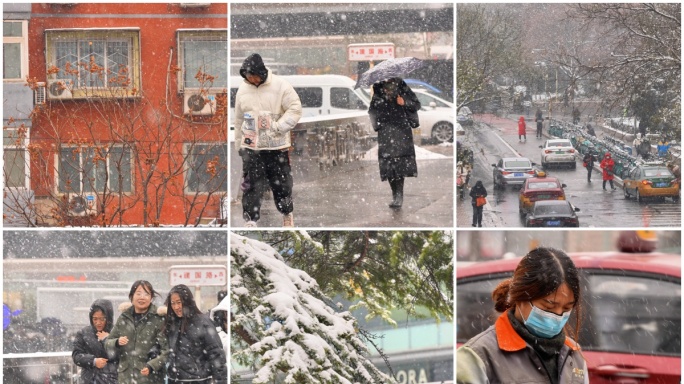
(589, 169)
(261, 167)
(207, 381)
(477, 215)
(539, 130)
(611, 184)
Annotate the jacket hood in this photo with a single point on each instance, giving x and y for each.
(254, 64)
(107, 308)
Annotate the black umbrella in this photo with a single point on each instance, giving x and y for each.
(388, 69)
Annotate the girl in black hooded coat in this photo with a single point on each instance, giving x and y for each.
(89, 351)
(392, 101)
(195, 349)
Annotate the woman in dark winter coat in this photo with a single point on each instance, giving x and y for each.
(392, 101)
(137, 338)
(196, 353)
(89, 351)
(477, 191)
(538, 117)
(588, 161)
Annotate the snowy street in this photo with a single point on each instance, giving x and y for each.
(352, 195)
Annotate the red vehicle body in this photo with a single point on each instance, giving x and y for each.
(538, 188)
(631, 327)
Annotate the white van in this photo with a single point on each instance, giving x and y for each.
(319, 94)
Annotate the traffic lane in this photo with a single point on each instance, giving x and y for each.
(352, 195)
(598, 208)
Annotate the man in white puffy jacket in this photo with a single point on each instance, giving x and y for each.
(266, 110)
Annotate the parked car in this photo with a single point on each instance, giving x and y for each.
(651, 180)
(436, 117)
(557, 152)
(631, 323)
(464, 116)
(418, 84)
(319, 94)
(541, 187)
(512, 171)
(552, 213)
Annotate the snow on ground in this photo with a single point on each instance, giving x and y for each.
(421, 154)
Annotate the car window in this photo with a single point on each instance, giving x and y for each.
(518, 164)
(555, 209)
(632, 314)
(425, 100)
(542, 185)
(475, 307)
(310, 97)
(345, 98)
(657, 172)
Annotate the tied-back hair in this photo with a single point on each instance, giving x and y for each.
(147, 287)
(190, 309)
(538, 274)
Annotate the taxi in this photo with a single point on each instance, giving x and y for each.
(651, 180)
(540, 187)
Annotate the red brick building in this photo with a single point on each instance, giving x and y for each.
(129, 125)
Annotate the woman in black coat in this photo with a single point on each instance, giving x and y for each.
(477, 191)
(196, 353)
(392, 101)
(89, 351)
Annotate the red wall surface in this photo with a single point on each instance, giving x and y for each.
(158, 24)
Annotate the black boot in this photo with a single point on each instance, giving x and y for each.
(397, 193)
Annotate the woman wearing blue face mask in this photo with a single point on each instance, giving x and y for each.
(530, 343)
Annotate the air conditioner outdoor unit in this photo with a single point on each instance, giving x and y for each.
(82, 205)
(39, 95)
(59, 88)
(198, 104)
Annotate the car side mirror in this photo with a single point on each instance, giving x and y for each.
(563, 185)
(577, 209)
(433, 105)
(493, 165)
(541, 146)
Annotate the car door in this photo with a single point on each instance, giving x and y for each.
(634, 179)
(631, 328)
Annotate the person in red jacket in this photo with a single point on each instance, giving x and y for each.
(607, 165)
(521, 129)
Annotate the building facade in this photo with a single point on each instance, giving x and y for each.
(121, 118)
